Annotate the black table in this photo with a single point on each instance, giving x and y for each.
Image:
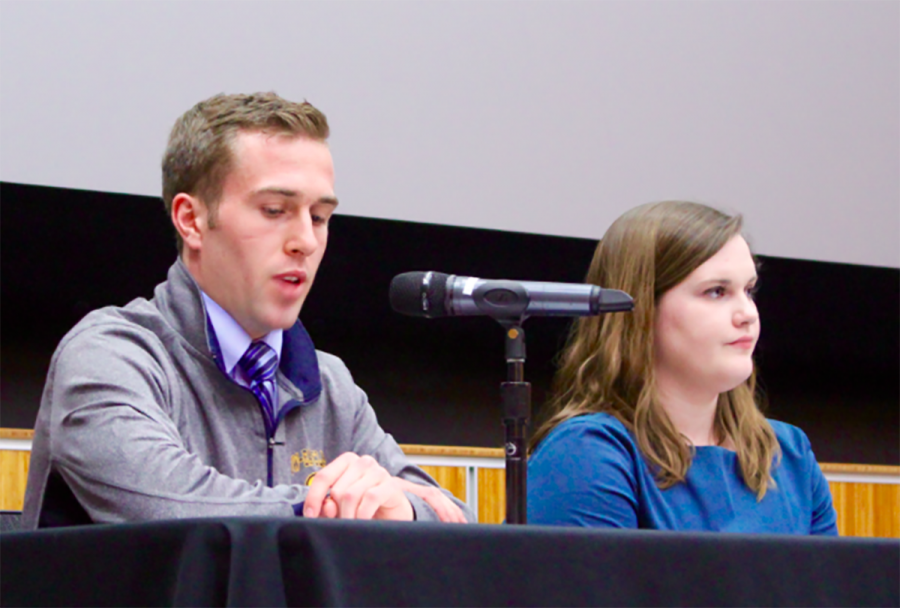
(277, 562)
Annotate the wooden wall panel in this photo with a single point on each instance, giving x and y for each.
(452, 479)
(867, 509)
(887, 511)
(13, 477)
(491, 496)
(491, 489)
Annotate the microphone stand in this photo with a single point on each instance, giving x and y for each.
(516, 399)
(435, 294)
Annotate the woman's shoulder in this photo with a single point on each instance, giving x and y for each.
(592, 423)
(594, 430)
(791, 438)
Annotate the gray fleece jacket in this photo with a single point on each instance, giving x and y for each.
(138, 421)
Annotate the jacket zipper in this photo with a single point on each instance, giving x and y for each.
(270, 437)
(269, 456)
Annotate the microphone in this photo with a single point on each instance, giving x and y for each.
(435, 294)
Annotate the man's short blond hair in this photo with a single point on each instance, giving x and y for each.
(199, 154)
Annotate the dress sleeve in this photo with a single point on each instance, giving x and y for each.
(584, 474)
(824, 518)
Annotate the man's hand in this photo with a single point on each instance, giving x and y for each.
(357, 487)
(360, 488)
(445, 508)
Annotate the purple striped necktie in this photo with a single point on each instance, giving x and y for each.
(259, 364)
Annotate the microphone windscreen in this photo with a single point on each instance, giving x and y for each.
(411, 295)
(612, 300)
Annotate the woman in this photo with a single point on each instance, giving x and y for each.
(654, 422)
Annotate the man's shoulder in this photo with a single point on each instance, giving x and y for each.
(334, 371)
(138, 322)
(331, 363)
(338, 388)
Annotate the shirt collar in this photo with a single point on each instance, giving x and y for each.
(233, 340)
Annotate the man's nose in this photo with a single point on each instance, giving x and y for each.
(302, 237)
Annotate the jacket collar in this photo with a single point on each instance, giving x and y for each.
(181, 304)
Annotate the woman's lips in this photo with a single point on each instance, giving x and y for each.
(745, 342)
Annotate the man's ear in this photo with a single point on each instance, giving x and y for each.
(190, 217)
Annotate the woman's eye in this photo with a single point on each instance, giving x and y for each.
(272, 211)
(715, 292)
(751, 291)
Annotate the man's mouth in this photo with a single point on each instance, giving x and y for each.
(295, 277)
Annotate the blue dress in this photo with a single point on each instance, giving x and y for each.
(589, 471)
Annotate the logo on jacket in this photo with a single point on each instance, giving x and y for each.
(313, 458)
(307, 459)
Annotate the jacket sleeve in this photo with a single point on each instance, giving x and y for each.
(118, 450)
(369, 438)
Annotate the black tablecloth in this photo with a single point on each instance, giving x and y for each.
(276, 562)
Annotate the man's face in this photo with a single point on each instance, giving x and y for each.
(259, 259)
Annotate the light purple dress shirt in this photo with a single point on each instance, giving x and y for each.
(234, 341)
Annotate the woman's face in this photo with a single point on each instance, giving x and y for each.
(707, 326)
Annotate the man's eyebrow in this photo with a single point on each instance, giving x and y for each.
(279, 191)
(325, 200)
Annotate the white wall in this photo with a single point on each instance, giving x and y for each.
(547, 117)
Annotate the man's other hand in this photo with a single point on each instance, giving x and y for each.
(445, 508)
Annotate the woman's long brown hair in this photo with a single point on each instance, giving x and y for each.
(608, 362)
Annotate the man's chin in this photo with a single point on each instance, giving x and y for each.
(288, 320)
(283, 325)
(274, 323)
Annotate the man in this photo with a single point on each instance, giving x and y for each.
(210, 399)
